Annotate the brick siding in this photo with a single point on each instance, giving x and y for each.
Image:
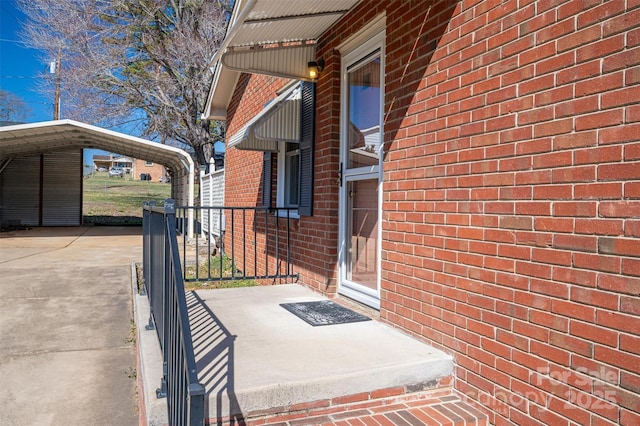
(313, 246)
(511, 212)
(156, 171)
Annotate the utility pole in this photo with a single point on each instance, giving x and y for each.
(56, 100)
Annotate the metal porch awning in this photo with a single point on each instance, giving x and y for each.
(278, 121)
(278, 37)
(271, 37)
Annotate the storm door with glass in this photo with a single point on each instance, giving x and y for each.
(361, 156)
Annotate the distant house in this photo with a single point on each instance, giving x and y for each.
(132, 166)
(101, 162)
(109, 161)
(470, 169)
(151, 171)
(124, 163)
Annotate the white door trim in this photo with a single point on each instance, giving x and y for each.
(374, 42)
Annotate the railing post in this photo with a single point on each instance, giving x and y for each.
(148, 274)
(169, 313)
(161, 392)
(145, 246)
(170, 206)
(169, 210)
(196, 399)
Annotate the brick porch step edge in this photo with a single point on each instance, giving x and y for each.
(393, 406)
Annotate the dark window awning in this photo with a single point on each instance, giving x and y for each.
(278, 121)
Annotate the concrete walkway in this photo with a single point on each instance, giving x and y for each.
(66, 355)
(256, 359)
(255, 356)
(67, 358)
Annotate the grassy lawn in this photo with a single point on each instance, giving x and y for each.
(118, 201)
(213, 266)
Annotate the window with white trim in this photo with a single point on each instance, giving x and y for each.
(288, 174)
(294, 164)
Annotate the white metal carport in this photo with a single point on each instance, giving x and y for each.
(53, 136)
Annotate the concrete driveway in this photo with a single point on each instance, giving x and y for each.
(66, 354)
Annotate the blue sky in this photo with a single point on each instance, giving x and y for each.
(20, 67)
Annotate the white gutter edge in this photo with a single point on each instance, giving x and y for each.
(237, 19)
(235, 26)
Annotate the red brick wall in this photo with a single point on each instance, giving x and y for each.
(512, 201)
(511, 216)
(243, 172)
(313, 246)
(155, 170)
(243, 169)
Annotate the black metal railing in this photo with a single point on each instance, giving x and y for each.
(245, 242)
(237, 243)
(164, 285)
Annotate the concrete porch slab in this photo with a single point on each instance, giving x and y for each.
(253, 355)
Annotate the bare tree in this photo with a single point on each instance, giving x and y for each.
(12, 108)
(140, 63)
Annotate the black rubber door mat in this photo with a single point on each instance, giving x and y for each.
(323, 312)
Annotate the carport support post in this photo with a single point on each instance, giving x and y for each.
(190, 200)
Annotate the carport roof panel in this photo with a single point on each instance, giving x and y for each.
(35, 138)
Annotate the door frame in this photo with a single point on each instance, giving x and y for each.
(347, 287)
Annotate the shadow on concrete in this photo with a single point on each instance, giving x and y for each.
(213, 345)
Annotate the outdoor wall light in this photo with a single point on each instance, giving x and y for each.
(315, 68)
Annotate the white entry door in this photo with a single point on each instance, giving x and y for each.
(361, 159)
